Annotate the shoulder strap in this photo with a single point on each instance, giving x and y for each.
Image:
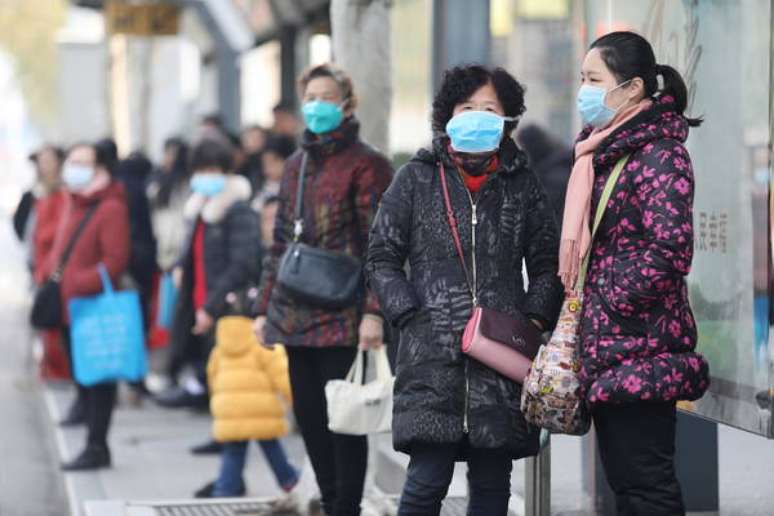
(298, 227)
(453, 225)
(73, 240)
(601, 207)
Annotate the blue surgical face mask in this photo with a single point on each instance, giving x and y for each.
(592, 108)
(77, 177)
(208, 184)
(321, 116)
(476, 131)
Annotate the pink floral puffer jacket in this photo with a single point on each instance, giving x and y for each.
(638, 333)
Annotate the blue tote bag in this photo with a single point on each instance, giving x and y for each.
(107, 338)
(167, 301)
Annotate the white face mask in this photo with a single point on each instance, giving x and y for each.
(77, 177)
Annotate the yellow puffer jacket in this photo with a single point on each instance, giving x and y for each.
(246, 381)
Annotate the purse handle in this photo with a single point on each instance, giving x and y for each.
(383, 370)
(601, 207)
(455, 229)
(298, 225)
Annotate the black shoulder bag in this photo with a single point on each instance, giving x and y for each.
(47, 306)
(318, 277)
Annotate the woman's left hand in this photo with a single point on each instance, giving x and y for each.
(371, 332)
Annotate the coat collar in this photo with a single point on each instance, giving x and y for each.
(213, 209)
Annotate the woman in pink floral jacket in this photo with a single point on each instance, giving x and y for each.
(638, 333)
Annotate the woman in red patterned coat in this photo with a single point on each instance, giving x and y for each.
(345, 179)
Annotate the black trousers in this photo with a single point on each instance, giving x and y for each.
(98, 402)
(637, 447)
(430, 472)
(339, 461)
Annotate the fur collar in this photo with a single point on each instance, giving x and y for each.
(214, 209)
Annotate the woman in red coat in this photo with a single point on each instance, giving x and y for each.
(104, 239)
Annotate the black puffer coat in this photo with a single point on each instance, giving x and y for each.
(433, 400)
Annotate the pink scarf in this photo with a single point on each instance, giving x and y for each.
(576, 229)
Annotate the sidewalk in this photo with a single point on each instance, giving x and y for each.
(151, 458)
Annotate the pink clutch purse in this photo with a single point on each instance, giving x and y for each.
(504, 343)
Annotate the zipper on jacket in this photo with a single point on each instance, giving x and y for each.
(474, 294)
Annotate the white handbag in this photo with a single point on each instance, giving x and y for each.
(357, 408)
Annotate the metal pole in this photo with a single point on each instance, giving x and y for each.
(537, 479)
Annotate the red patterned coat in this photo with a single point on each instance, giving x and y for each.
(638, 332)
(345, 181)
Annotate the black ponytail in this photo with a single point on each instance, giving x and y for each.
(675, 86)
(628, 55)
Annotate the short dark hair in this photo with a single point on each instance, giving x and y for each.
(58, 152)
(628, 55)
(282, 146)
(107, 154)
(210, 153)
(461, 82)
(286, 106)
(213, 119)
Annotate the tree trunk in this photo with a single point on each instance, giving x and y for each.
(361, 46)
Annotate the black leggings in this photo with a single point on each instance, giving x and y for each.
(339, 461)
(98, 402)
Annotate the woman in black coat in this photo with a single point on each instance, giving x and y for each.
(447, 406)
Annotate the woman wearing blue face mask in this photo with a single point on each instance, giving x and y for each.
(220, 254)
(343, 179)
(637, 331)
(447, 406)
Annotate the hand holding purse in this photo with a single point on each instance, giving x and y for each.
(551, 397)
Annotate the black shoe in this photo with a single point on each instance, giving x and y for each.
(206, 491)
(93, 457)
(76, 415)
(178, 397)
(209, 448)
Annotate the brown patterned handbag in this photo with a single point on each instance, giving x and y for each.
(551, 396)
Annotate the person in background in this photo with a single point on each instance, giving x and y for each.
(348, 177)
(447, 406)
(275, 153)
(637, 330)
(551, 160)
(286, 122)
(36, 222)
(221, 256)
(168, 190)
(104, 240)
(253, 142)
(48, 179)
(250, 389)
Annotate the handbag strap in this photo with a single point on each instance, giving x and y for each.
(601, 207)
(383, 369)
(57, 275)
(298, 226)
(454, 228)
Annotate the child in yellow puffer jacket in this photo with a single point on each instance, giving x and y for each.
(246, 382)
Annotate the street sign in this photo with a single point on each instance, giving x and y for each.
(142, 19)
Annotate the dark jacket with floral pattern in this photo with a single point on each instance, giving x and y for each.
(638, 333)
(433, 400)
(345, 179)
